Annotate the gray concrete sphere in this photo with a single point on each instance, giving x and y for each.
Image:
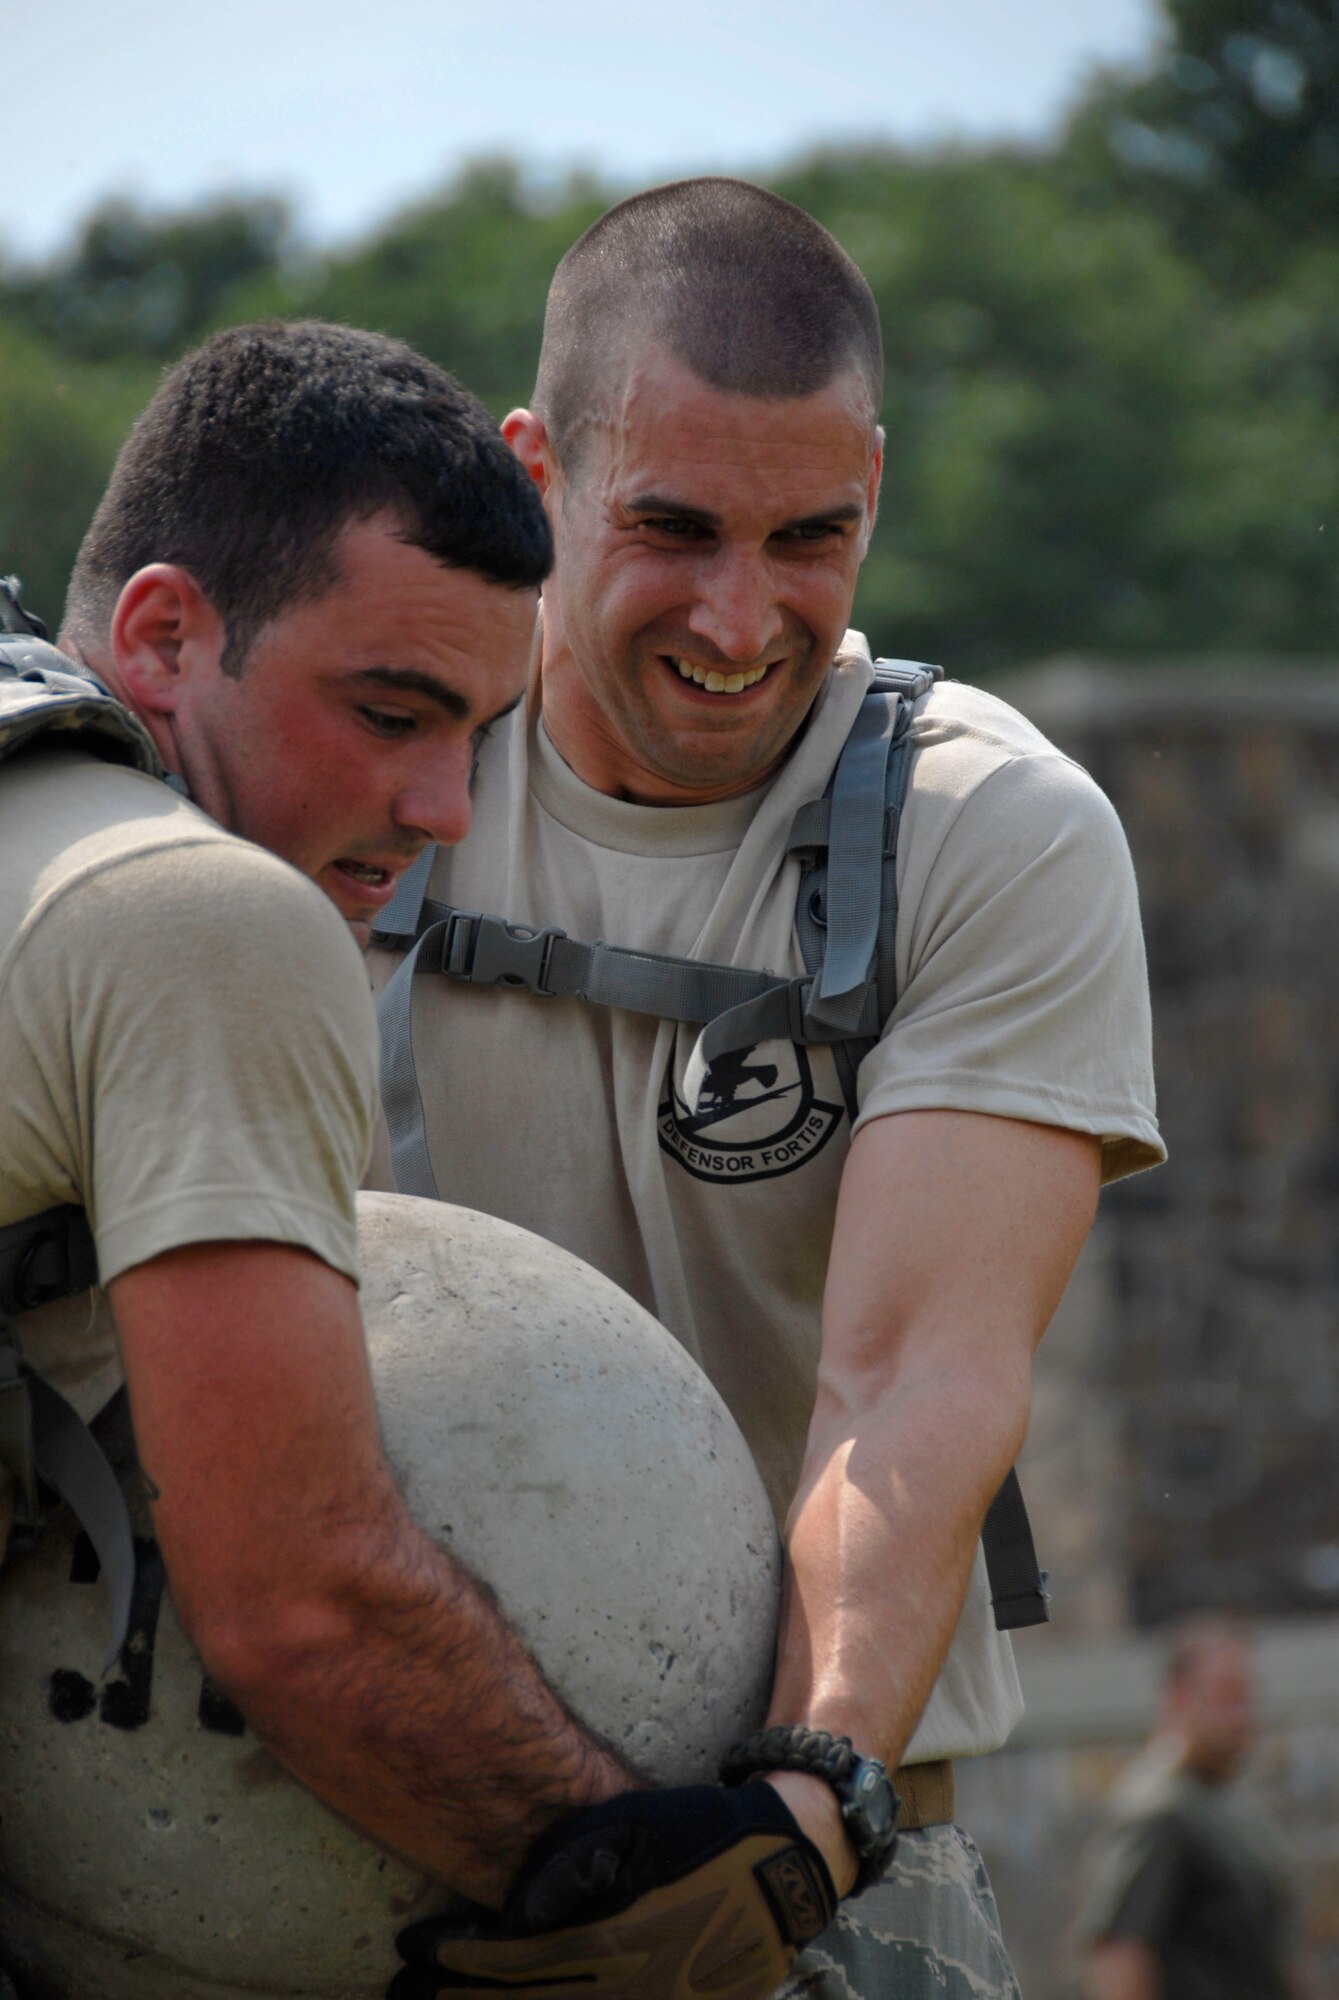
(543, 1427)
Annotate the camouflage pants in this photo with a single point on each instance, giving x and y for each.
(929, 1932)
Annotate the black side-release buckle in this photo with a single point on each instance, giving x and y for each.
(492, 952)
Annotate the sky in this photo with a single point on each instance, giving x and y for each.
(355, 108)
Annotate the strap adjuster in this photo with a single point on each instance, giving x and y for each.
(492, 952)
(42, 1271)
(799, 992)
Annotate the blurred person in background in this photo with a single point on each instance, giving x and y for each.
(1189, 1891)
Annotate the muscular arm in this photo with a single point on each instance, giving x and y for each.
(366, 1659)
(955, 1235)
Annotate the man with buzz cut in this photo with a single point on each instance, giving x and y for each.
(310, 585)
(864, 1283)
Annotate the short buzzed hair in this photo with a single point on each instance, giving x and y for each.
(1197, 1640)
(748, 291)
(265, 443)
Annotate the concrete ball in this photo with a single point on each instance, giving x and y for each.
(546, 1430)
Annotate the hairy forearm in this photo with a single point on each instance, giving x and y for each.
(371, 1663)
(393, 1688)
(881, 1540)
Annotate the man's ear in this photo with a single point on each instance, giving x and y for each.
(529, 440)
(163, 629)
(875, 480)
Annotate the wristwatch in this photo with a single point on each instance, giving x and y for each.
(862, 1785)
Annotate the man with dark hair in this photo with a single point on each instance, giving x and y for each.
(253, 458)
(310, 590)
(1189, 1892)
(864, 1280)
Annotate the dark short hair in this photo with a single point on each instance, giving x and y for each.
(263, 444)
(1195, 1640)
(746, 289)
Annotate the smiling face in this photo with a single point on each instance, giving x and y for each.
(707, 552)
(346, 742)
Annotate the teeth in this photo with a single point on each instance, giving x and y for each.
(363, 871)
(718, 683)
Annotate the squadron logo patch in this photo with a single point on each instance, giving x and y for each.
(757, 1115)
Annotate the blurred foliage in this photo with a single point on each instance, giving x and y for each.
(60, 426)
(1234, 134)
(1113, 367)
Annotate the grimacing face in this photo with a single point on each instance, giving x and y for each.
(707, 552)
(345, 743)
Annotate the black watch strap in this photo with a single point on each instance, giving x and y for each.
(862, 1785)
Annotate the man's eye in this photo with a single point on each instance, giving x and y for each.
(387, 722)
(811, 531)
(676, 528)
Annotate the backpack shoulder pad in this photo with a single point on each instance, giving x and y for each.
(43, 691)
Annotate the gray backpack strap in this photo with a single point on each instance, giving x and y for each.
(854, 887)
(739, 1006)
(830, 877)
(483, 950)
(401, 1098)
(46, 1257)
(399, 924)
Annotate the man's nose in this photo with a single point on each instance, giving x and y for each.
(735, 608)
(437, 801)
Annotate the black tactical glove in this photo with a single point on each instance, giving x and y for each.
(651, 1896)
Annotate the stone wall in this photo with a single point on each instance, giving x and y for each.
(1205, 1361)
(1184, 1448)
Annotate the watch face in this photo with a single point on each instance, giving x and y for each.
(873, 1806)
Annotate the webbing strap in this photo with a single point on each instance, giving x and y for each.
(399, 920)
(787, 1013)
(401, 1098)
(42, 1258)
(742, 1006)
(855, 868)
(485, 950)
(71, 1461)
(1017, 1586)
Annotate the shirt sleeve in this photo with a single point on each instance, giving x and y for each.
(1023, 988)
(201, 1053)
(1138, 1884)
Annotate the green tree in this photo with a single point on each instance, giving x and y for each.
(1105, 430)
(138, 284)
(60, 425)
(1233, 132)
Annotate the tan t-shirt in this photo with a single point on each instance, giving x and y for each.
(188, 1048)
(1022, 988)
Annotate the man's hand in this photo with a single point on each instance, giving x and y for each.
(646, 1897)
(814, 1804)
